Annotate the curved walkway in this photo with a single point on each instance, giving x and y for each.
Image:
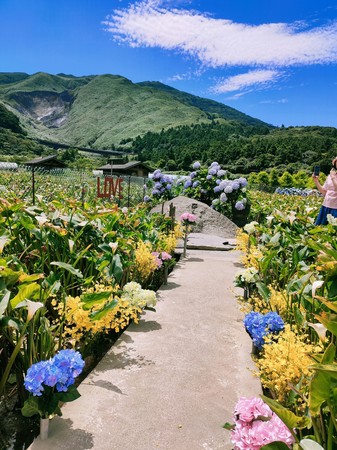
(171, 381)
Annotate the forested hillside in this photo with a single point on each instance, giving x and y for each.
(240, 149)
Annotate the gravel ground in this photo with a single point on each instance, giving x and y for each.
(208, 220)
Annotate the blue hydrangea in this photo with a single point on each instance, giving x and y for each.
(169, 186)
(196, 165)
(273, 322)
(212, 171)
(235, 185)
(258, 326)
(217, 182)
(209, 177)
(158, 186)
(193, 175)
(217, 189)
(195, 184)
(59, 371)
(228, 189)
(147, 198)
(155, 192)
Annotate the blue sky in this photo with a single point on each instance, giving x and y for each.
(276, 61)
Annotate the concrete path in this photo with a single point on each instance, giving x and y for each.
(170, 382)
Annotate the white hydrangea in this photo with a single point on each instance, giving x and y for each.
(249, 275)
(135, 295)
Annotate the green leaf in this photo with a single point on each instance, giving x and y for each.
(69, 396)
(68, 267)
(277, 445)
(263, 290)
(97, 315)
(288, 417)
(229, 426)
(26, 291)
(31, 407)
(117, 268)
(93, 299)
(319, 389)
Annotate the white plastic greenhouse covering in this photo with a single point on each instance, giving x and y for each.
(8, 166)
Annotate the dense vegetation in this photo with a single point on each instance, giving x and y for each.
(239, 148)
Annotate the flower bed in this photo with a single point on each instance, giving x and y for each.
(73, 278)
(290, 276)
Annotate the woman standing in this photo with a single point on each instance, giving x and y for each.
(329, 191)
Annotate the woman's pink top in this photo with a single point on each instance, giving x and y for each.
(330, 199)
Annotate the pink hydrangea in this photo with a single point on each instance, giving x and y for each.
(251, 433)
(165, 256)
(159, 262)
(188, 218)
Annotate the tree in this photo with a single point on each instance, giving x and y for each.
(286, 180)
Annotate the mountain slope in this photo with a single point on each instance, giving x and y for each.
(209, 106)
(101, 111)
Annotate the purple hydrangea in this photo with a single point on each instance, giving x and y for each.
(223, 197)
(239, 206)
(221, 173)
(243, 182)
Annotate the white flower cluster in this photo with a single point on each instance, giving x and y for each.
(249, 275)
(250, 227)
(135, 295)
(331, 219)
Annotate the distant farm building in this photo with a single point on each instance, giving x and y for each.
(47, 162)
(132, 168)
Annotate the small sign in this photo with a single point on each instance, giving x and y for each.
(112, 187)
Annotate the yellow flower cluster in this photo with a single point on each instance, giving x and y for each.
(284, 363)
(255, 303)
(242, 241)
(167, 242)
(145, 261)
(80, 326)
(278, 301)
(251, 254)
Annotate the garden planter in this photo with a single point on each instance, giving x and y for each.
(240, 218)
(44, 429)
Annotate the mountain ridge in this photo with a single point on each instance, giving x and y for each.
(101, 111)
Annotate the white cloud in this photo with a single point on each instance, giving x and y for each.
(256, 78)
(219, 42)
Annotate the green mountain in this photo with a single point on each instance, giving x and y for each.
(103, 111)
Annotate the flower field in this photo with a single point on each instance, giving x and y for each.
(290, 302)
(76, 270)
